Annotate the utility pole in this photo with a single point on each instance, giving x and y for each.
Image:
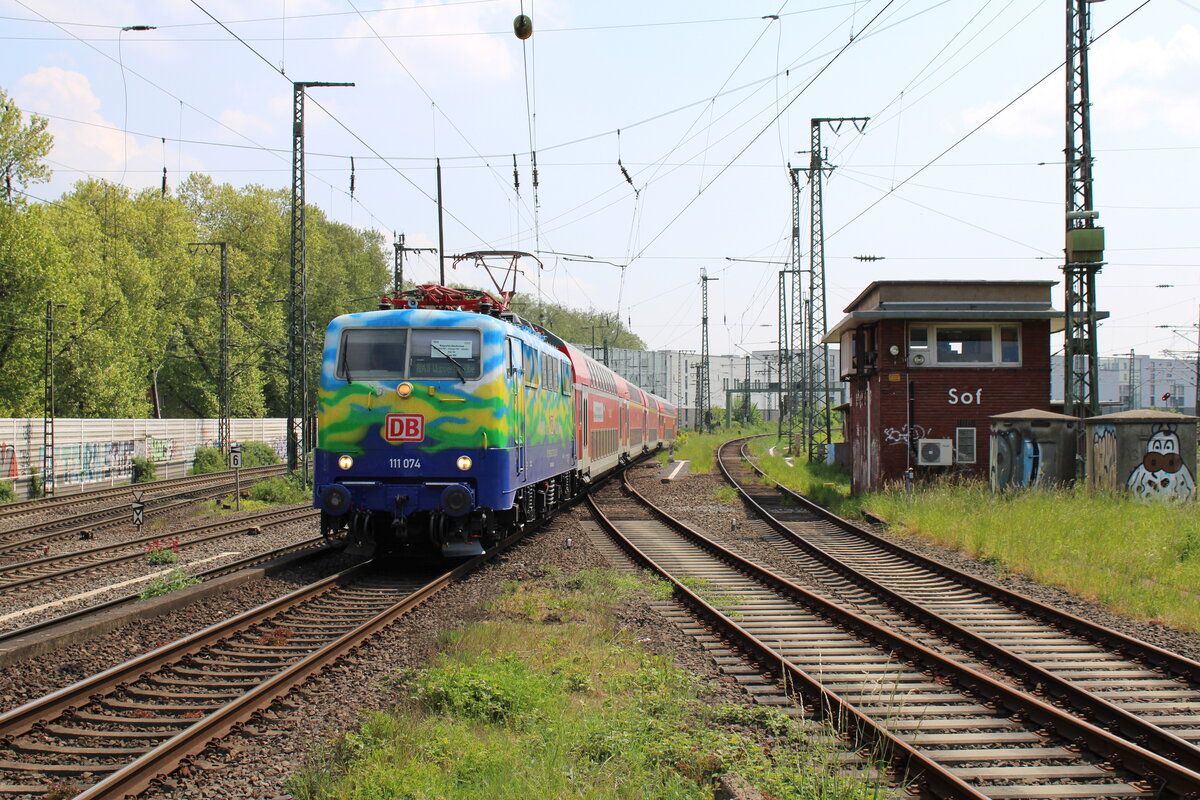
(223, 379)
(398, 269)
(441, 229)
(818, 416)
(787, 377)
(703, 398)
(298, 402)
(48, 402)
(793, 307)
(1084, 239)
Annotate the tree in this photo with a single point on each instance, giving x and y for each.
(22, 147)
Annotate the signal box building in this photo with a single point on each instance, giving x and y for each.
(928, 362)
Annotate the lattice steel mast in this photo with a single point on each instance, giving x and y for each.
(818, 416)
(797, 358)
(704, 391)
(298, 402)
(1084, 239)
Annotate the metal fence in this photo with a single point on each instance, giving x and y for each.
(89, 453)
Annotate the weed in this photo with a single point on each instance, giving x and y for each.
(208, 459)
(162, 551)
(173, 581)
(275, 637)
(7, 493)
(60, 789)
(726, 494)
(35, 484)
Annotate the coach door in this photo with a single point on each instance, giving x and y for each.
(516, 390)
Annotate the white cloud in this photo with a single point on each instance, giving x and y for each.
(84, 138)
(1134, 84)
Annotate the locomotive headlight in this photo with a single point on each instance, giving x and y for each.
(464, 463)
(404, 389)
(345, 462)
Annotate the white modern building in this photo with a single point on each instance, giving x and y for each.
(672, 374)
(1137, 381)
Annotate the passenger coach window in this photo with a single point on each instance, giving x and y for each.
(444, 353)
(372, 354)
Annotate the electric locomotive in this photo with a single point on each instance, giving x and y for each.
(440, 428)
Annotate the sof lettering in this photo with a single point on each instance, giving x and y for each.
(965, 397)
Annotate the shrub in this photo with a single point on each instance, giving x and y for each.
(281, 490)
(143, 470)
(35, 484)
(258, 454)
(208, 459)
(7, 493)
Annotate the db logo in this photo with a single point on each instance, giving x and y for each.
(404, 428)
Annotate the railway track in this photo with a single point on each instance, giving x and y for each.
(1145, 693)
(28, 538)
(56, 568)
(316, 544)
(952, 730)
(112, 734)
(126, 493)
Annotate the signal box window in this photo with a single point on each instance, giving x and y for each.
(372, 354)
(445, 353)
(964, 345)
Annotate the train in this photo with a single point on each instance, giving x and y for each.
(446, 422)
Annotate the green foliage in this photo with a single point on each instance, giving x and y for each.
(1137, 559)
(173, 581)
(281, 490)
(23, 146)
(577, 325)
(208, 459)
(144, 470)
(35, 484)
(567, 708)
(8, 494)
(258, 454)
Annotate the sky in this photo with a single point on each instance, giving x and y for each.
(663, 133)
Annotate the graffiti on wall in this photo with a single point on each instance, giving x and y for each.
(1104, 457)
(900, 435)
(159, 449)
(93, 461)
(1162, 473)
(8, 459)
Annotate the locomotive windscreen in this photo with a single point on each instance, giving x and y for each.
(444, 353)
(372, 353)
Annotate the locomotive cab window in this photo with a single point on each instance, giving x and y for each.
(445, 353)
(372, 354)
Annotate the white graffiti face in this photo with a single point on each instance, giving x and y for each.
(1162, 473)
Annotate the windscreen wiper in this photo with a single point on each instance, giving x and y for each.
(462, 376)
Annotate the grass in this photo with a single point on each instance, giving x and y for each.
(553, 698)
(699, 448)
(1137, 559)
(280, 490)
(824, 484)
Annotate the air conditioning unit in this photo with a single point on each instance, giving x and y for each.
(918, 357)
(935, 452)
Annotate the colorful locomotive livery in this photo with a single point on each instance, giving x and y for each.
(447, 429)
